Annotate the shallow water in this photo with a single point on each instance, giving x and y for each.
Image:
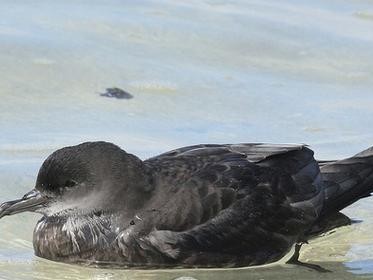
(200, 72)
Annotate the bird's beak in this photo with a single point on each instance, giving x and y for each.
(31, 201)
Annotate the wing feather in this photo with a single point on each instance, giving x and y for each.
(258, 196)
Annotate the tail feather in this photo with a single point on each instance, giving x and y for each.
(347, 181)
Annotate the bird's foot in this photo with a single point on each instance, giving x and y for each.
(295, 260)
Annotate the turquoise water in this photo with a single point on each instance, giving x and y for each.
(200, 72)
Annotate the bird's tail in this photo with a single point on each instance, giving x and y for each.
(347, 181)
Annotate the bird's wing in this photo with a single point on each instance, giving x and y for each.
(347, 180)
(182, 164)
(229, 165)
(254, 152)
(249, 197)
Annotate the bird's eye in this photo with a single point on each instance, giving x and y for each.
(70, 183)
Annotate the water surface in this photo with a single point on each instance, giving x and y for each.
(200, 72)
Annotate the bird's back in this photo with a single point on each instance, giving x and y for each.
(251, 202)
(242, 167)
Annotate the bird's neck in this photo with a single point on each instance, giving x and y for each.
(125, 186)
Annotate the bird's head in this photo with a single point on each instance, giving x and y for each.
(92, 176)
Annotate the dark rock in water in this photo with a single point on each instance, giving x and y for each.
(117, 93)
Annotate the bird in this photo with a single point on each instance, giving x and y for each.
(206, 205)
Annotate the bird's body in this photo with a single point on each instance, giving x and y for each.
(198, 206)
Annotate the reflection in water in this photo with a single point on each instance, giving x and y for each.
(41, 269)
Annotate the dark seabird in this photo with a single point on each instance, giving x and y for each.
(198, 206)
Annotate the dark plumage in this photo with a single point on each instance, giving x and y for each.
(203, 205)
